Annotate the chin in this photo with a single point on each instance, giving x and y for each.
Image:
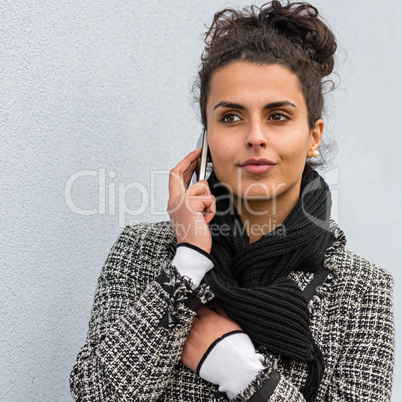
(261, 191)
(256, 195)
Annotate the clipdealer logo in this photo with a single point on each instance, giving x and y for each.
(112, 196)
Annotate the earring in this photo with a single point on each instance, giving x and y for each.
(316, 154)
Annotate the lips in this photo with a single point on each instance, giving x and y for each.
(257, 166)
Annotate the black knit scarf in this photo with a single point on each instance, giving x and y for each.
(251, 282)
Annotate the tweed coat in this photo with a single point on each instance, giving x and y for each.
(130, 356)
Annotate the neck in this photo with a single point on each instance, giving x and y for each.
(263, 216)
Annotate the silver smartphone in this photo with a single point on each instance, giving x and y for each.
(203, 144)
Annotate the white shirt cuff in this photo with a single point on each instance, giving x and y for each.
(231, 363)
(192, 262)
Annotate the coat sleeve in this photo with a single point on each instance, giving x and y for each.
(364, 371)
(138, 325)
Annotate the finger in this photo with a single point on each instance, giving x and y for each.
(188, 174)
(210, 210)
(185, 163)
(176, 174)
(199, 204)
(198, 197)
(199, 188)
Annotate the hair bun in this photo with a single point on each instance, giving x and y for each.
(299, 22)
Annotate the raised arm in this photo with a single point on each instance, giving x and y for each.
(138, 325)
(143, 306)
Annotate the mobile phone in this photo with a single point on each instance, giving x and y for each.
(203, 144)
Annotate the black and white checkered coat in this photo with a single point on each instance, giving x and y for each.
(129, 356)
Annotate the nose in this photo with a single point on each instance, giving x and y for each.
(255, 135)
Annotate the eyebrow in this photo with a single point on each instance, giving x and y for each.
(268, 106)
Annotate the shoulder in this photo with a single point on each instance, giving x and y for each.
(358, 276)
(351, 264)
(354, 276)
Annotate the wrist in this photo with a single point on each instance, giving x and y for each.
(231, 362)
(196, 232)
(192, 262)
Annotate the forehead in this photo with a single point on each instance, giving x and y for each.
(250, 83)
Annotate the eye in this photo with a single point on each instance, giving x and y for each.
(279, 116)
(229, 118)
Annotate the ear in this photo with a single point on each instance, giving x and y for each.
(315, 137)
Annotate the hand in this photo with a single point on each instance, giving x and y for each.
(190, 208)
(206, 328)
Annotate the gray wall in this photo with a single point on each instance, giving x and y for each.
(96, 94)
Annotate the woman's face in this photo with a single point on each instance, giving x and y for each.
(258, 131)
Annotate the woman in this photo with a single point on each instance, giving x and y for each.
(249, 292)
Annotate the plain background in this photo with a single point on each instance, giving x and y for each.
(96, 95)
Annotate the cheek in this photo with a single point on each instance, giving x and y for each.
(222, 149)
(293, 148)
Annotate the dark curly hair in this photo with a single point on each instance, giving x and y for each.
(290, 35)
